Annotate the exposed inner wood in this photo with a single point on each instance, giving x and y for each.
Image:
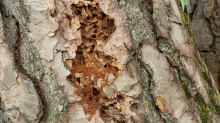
(94, 23)
(91, 67)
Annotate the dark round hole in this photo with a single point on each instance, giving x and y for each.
(90, 98)
(116, 68)
(134, 107)
(104, 108)
(84, 94)
(78, 12)
(105, 37)
(68, 17)
(120, 98)
(94, 15)
(95, 92)
(92, 49)
(87, 18)
(70, 78)
(78, 80)
(93, 36)
(103, 15)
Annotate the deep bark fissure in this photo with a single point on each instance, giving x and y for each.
(138, 39)
(186, 83)
(213, 95)
(15, 48)
(145, 69)
(35, 81)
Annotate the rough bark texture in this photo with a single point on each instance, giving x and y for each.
(204, 19)
(122, 61)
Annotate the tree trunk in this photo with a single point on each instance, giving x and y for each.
(106, 61)
(204, 23)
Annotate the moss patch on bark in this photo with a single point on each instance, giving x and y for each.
(214, 98)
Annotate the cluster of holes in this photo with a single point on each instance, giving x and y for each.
(111, 112)
(90, 95)
(95, 25)
(87, 88)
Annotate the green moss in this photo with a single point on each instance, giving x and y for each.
(141, 30)
(203, 108)
(187, 26)
(172, 56)
(183, 3)
(199, 99)
(184, 80)
(214, 98)
(155, 12)
(212, 92)
(202, 69)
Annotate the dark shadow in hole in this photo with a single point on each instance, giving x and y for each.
(94, 15)
(90, 98)
(95, 92)
(134, 107)
(88, 18)
(93, 36)
(78, 12)
(92, 49)
(78, 80)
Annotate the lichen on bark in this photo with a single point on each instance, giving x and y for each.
(28, 62)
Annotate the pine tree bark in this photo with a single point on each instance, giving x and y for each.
(204, 20)
(91, 61)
